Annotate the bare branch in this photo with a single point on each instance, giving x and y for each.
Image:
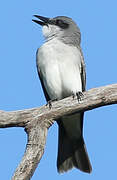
(34, 151)
(36, 121)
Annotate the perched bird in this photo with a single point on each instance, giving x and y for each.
(61, 70)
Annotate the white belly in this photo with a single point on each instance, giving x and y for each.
(60, 67)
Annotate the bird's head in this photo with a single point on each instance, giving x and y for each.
(62, 27)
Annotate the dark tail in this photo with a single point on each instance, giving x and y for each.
(72, 154)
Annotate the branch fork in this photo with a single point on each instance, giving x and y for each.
(36, 122)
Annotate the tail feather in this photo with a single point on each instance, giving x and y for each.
(71, 154)
(81, 160)
(64, 159)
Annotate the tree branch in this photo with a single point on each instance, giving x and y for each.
(36, 122)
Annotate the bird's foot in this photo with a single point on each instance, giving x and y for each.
(49, 103)
(79, 95)
(73, 95)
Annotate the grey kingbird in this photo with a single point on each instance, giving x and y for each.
(61, 70)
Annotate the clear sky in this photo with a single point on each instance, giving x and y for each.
(21, 89)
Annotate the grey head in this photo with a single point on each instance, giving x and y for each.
(61, 27)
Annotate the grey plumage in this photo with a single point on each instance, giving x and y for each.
(61, 69)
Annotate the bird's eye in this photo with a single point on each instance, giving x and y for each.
(61, 24)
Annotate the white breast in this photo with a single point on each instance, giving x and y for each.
(60, 66)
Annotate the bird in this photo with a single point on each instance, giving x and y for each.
(61, 69)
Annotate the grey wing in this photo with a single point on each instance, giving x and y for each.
(83, 71)
(41, 78)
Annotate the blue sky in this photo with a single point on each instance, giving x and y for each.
(21, 89)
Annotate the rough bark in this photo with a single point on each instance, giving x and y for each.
(36, 122)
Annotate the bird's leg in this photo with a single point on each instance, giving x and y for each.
(49, 103)
(79, 95)
(73, 95)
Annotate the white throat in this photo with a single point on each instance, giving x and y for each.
(51, 31)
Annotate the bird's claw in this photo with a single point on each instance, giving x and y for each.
(79, 95)
(49, 103)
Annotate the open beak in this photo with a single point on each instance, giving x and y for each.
(44, 20)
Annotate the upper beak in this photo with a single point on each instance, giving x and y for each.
(44, 20)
